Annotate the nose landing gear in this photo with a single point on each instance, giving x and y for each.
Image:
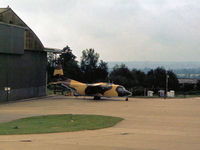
(126, 99)
(97, 97)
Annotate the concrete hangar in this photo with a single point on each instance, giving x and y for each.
(23, 59)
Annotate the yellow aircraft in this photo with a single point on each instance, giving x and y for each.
(97, 90)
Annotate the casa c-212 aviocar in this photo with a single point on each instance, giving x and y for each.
(97, 90)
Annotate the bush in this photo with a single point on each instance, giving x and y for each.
(138, 91)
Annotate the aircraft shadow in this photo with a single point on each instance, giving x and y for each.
(91, 99)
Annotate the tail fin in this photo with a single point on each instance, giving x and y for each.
(58, 71)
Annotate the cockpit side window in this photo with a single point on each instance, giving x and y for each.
(120, 89)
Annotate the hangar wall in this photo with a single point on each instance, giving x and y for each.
(24, 74)
(23, 60)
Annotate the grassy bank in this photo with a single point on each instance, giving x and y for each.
(57, 123)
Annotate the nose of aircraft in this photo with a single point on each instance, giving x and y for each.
(127, 93)
(123, 92)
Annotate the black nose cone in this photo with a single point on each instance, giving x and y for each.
(123, 92)
(128, 93)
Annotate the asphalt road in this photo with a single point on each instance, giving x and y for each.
(150, 124)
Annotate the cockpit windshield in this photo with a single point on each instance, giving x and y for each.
(120, 89)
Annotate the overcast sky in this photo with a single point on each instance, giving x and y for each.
(119, 30)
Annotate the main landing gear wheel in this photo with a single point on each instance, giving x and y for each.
(126, 99)
(97, 97)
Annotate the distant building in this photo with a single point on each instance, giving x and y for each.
(189, 75)
(188, 82)
(23, 59)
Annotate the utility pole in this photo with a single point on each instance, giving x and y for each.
(167, 78)
(6, 88)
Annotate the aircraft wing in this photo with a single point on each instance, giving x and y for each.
(65, 84)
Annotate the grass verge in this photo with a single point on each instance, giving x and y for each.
(57, 123)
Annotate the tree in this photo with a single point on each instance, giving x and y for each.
(51, 63)
(160, 78)
(138, 82)
(70, 66)
(89, 59)
(172, 81)
(92, 71)
(156, 79)
(149, 81)
(139, 77)
(102, 71)
(122, 75)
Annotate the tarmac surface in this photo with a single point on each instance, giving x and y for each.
(149, 124)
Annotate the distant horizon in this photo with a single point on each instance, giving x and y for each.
(170, 65)
(150, 61)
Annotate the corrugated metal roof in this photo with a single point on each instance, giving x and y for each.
(53, 50)
(12, 17)
(3, 9)
(13, 25)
